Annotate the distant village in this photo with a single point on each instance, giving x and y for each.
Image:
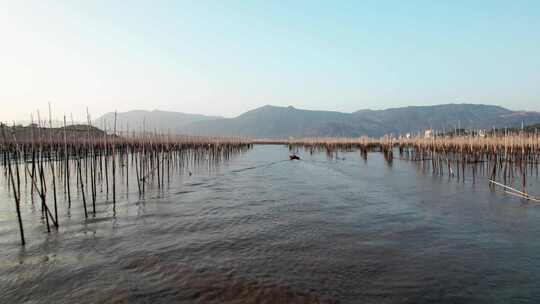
(431, 133)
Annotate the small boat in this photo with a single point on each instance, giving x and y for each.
(293, 157)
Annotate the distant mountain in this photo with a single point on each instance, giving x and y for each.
(447, 116)
(151, 120)
(279, 122)
(282, 122)
(33, 131)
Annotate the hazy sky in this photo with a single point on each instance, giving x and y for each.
(226, 57)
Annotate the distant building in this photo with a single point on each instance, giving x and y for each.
(408, 135)
(428, 133)
(482, 133)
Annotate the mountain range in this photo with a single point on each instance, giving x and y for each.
(282, 122)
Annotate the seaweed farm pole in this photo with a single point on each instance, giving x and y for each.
(18, 173)
(156, 149)
(81, 182)
(45, 210)
(143, 166)
(94, 173)
(114, 164)
(126, 150)
(43, 185)
(106, 163)
(137, 172)
(16, 196)
(522, 163)
(52, 169)
(33, 172)
(168, 158)
(90, 149)
(143, 156)
(162, 166)
(66, 156)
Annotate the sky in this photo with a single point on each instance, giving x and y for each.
(227, 57)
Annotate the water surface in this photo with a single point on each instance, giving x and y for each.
(262, 229)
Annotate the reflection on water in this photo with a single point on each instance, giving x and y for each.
(262, 229)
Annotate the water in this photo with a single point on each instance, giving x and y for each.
(262, 229)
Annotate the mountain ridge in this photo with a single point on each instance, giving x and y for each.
(155, 119)
(270, 121)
